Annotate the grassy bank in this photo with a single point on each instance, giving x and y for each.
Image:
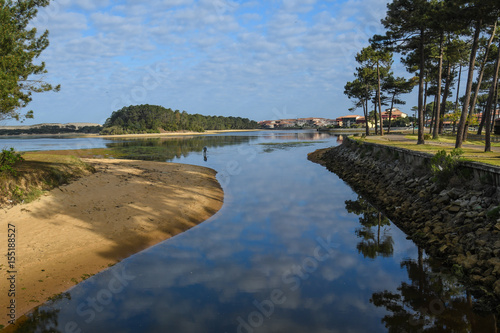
(473, 150)
(39, 172)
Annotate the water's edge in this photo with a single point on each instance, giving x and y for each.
(454, 222)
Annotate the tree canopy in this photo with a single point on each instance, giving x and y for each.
(437, 40)
(20, 46)
(154, 119)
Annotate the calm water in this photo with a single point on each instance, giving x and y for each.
(293, 249)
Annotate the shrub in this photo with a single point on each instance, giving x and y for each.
(8, 159)
(494, 213)
(444, 166)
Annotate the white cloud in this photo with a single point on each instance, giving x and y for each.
(90, 4)
(302, 6)
(249, 56)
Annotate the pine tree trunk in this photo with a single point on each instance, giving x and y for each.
(487, 124)
(433, 117)
(420, 139)
(367, 117)
(447, 87)
(390, 114)
(481, 124)
(458, 86)
(365, 112)
(376, 118)
(438, 97)
(379, 101)
(495, 107)
(425, 99)
(465, 108)
(494, 115)
(481, 74)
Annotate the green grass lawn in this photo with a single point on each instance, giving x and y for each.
(450, 139)
(444, 142)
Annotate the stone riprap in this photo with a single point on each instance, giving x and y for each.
(456, 220)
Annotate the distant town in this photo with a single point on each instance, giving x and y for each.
(344, 121)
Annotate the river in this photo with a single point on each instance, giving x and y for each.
(293, 249)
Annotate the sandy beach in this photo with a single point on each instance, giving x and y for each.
(165, 134)
(79, 229)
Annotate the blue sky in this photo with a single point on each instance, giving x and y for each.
(257, 59)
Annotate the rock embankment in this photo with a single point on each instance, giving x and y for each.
(457, 221)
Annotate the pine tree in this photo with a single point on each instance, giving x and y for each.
(407, 23)
(396, 87)
(477, 13)
(19, 48)
(376, 63)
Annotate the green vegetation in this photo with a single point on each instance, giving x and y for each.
(290, 144)
(52, 129)
(271, 146)
(8, 160)
(444, 165)
(494, 213)
(36, 173)
(434, 146)
(437, 40)
(168, 148)
(19, 47)
(155, 119)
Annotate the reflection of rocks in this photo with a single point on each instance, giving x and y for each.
(457, 224)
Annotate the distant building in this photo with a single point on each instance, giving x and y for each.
(300, 122)
(395, 114)
(348, 121)
(493, 117)
(361, 121)
(269, 124)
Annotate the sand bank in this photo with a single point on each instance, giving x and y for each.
(153, 135)
(84, 227)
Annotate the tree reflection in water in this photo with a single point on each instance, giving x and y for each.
(43, 319)
(433, 300)
(374, 243)
(167, 149)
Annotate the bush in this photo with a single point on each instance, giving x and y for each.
(444, 166)
(8, 159)
(494, 213)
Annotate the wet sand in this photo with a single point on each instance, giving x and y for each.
(79, 229)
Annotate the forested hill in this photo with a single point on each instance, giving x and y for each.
(155, 119)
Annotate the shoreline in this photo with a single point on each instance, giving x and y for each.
(79, 229)
(455, 219)
(78, 135)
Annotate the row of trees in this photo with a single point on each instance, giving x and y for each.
(154, 119)
(437, 39)
(52, 129)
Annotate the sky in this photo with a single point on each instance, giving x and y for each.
(261, 60)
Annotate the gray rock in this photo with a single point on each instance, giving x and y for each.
(443, 199)
(471, 214)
